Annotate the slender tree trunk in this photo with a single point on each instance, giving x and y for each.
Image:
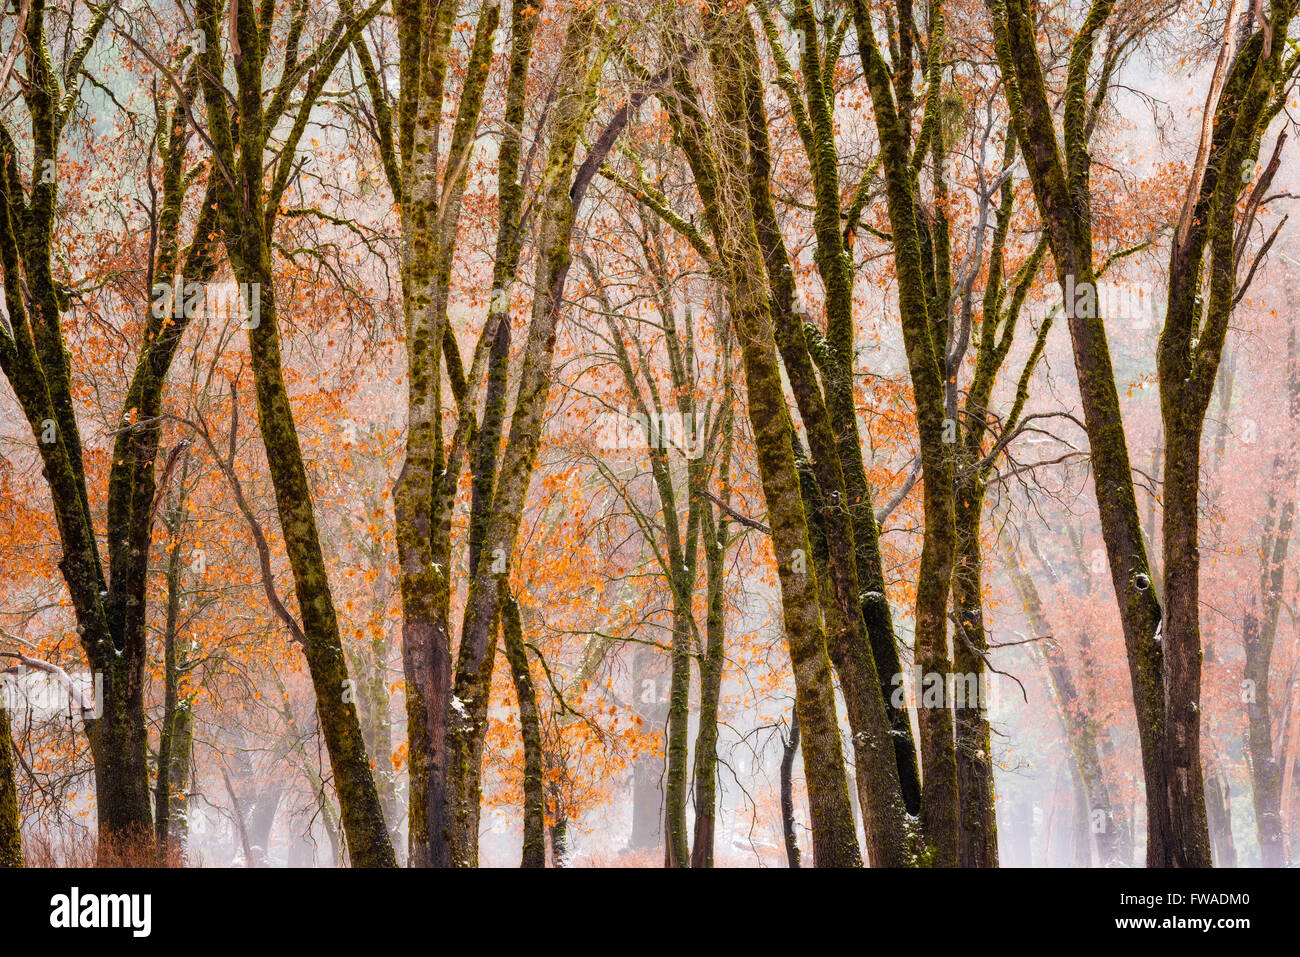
(676, 839)
(1080, 830)
(179, 777)
(978, 845)
(164, 787)
(248, 239)
(834, 838)
(926, 342)
(11, 838)
(1061, 186)
(1265, 774)
(512, 635)
(560, 841)
(466, 730)
(789, 749)
(711, 667)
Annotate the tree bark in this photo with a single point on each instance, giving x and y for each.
(11, 838)
(467, 727)
(1062, 191)
(711, 668)
(789, 749)
(834, 840)
(248, 215)
(512, 635)
(925, 341)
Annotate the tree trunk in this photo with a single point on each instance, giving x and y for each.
(512, 635)
(248, 239)
(711, 667)
(925, 341)
(467, 728)
(164, 787)
(827, 419)
(834, 837)
(110, 609)
(1061, 187)
(978, 845)
(676, 839)
(11, 838)
(788, 750)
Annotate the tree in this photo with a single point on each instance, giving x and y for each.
(109, 602)
(248, 209)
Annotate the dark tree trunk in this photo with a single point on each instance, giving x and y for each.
(788, 750)
(512, 635)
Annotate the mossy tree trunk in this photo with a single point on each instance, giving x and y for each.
(110, 604)
(1060, 176)
(830, 419)
(168, 804)
(723, 183)
(512, 638)
(921, 256)
(789, 748)
(1188, 361)
(11, 838)
(717, 538)
(560, 196)
(248, 208)
(978, 449)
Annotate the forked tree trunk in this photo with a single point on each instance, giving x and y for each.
(834, 839)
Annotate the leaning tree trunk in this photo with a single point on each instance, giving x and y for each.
(558, 202)
(834, 838)
(925, 342)
(828, 418)
(789, 748)
(1060, 177)
(248, 238)
(512, 637)
(164, 787)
